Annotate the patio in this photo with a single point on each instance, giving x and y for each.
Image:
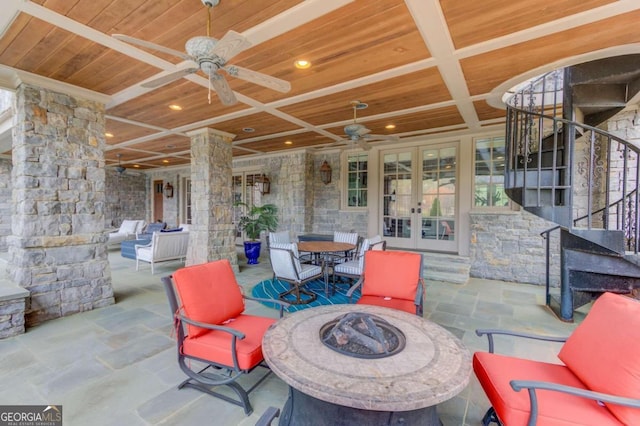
(117, 365)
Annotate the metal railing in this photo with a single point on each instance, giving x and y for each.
(557, 162)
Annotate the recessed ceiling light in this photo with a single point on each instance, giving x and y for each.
(175, 107)
(248, 129)
(302, 64)
(288, 142)
(390, 126)
(165, 161)
(109, 135)
(137, 166)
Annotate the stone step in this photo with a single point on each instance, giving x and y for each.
(446, 267)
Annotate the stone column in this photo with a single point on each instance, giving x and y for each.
(57, 249)
(212, 233)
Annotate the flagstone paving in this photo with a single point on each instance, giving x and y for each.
(117, 365)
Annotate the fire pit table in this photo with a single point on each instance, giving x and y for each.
(425, 366)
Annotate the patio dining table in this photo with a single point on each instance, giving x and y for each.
(324, 250)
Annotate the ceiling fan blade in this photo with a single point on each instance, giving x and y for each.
(172, 76)
(363, 131)
(230, 45)
(258, 78)
(222, 88)
(362, 143)
(148, 44)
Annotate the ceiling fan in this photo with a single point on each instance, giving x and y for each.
(210, 55)
(358, 133)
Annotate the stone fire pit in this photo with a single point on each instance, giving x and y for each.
(329, 387)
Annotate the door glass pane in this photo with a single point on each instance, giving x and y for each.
(438, 193)
(397, 195)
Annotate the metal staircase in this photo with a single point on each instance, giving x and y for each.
(579, 176)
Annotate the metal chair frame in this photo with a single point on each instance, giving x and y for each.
(213, 374)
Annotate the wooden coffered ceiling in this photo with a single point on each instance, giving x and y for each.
(427, 66)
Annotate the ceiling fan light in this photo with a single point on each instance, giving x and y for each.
(120, 169)
(200, 46)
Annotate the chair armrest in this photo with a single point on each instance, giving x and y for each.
(354, 288)
(137, 246)
(217, 327)
(268, 416)
(491, 332)
(419, 293)
(233, 332)
(531, 386)
(283, 305)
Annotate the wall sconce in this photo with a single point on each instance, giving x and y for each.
(325, 173)
(168, 190)
(264, 184)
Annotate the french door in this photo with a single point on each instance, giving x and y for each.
(419, 197)
(245, 191)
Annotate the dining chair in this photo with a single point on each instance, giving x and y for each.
(211, 327)
(286, 266)
(392, 279)
(345, 237)
(352, 269)
(277, 237)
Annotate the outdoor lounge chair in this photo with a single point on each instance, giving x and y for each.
(392, 279)
(211, 327)
(598, 383)
(127, 231)
(287, 267)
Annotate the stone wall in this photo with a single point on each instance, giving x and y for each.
(327, 215)
(170, 206)
(126, 197)
(5, 202)
(507, 246)
(57, 249)
(291, 188)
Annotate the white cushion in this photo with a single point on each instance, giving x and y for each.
(279, 237)
(128, 227)
(345, 237)
(352, 267)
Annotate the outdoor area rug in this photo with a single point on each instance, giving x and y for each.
(268, 289)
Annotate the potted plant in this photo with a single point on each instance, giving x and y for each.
(256, 220)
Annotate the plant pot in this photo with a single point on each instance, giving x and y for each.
(252, 251)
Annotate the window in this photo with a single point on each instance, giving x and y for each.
(187, 201)
(356, 191)
(489, 173)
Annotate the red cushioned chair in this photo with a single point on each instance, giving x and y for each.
(598, 383)
(208, 307)
(392, 279)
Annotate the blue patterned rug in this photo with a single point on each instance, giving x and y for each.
(268, 289)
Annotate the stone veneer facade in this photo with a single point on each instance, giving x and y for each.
(57, 249)
(507, 246)
(125, 197)
(212, 233)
